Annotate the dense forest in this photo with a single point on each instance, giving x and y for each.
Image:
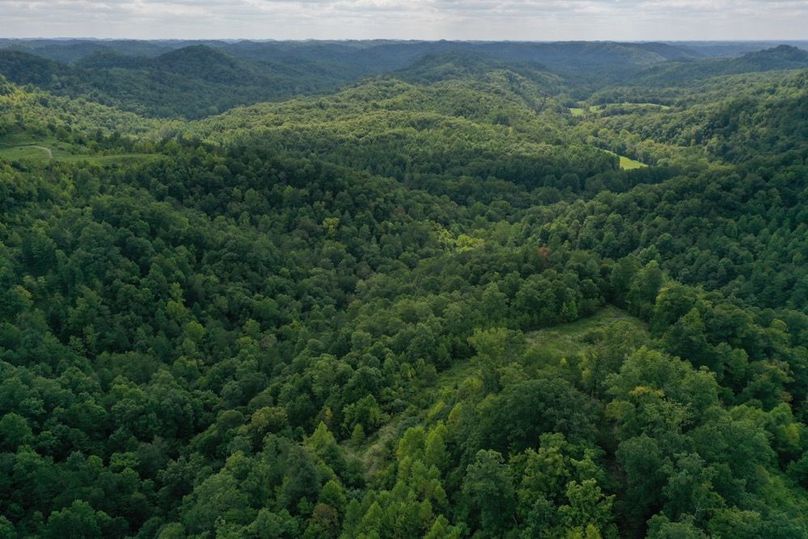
(403, 289)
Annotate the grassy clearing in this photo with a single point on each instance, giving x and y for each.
(571, 339)
(641, 105)
(109, 159)
(20, 153)
(49, 149)
(650, 107)
(19, 147)
(627, 163)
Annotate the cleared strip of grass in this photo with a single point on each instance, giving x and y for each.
(47, 150)
(17, 153)
(627, 163)
(570, 339)
(107, 159)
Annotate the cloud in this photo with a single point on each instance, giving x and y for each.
(417, 19)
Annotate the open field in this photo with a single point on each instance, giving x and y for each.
(626, 163)
(44, 150)
(570, 339)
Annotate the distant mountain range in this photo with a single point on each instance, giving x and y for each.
(679, 72)
(196, 79)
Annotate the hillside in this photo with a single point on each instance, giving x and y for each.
(439, 290)
(157, 78)
(778, 58)
(161, 86)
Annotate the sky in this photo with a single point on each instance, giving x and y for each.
(533, 20)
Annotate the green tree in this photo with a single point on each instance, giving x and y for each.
(489, 492)
(588, 507)
(79, 520)
(14, 432)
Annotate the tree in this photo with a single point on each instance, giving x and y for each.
(643, 290)
(642, 462)
(686, 338)
(14, 432)
(660, 527)
(689, 490)
(280, 525)
(218, 497)
(78, 521)
(531, 408)
(365, 412)
(489, 492)
(442, 529)
(588, 508)
(7, 530)
(621, 278)
(435, 453)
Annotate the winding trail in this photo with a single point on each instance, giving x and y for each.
(43, 148)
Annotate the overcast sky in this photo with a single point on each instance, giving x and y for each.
(540, 20)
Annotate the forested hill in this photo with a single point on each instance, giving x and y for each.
(197, 79)
(437, 290)
(777, 58)
(193, 81)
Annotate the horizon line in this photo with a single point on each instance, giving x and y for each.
(412, 40)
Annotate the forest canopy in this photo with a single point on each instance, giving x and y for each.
(387, 289)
